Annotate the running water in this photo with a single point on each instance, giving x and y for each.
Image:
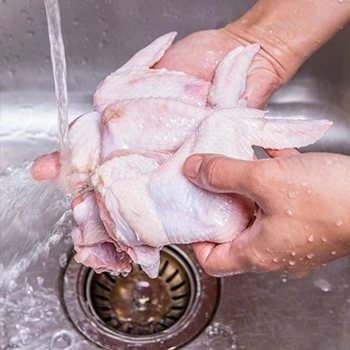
(58, 59)
(36, 214)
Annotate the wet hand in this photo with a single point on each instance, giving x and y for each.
(199, 54)
(303, 216)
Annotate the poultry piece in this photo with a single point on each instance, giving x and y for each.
(128, 155)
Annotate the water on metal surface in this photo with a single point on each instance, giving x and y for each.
(256, 311)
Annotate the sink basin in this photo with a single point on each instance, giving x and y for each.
(254, 311)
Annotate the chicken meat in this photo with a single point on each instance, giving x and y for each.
(127, 157)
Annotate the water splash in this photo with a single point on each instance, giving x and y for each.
(219, 336)
(59, 67)
(36, 225)
(9, 275)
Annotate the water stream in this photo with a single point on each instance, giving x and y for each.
(37, 214)
(59, 68)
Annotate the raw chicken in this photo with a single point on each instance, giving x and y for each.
(131, 150)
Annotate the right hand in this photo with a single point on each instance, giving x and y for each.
(303, 217)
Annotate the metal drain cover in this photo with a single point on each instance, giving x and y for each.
(119, 312)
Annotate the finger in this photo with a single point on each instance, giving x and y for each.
(220, 174)
(287, 152)
(79, 199)
(216, 259)
(76, 201)
(227, 258)
(46, 167)
(256, 93)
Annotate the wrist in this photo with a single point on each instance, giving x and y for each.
(289, 32)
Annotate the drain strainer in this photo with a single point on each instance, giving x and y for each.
(119, 312)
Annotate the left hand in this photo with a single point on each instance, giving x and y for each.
(198, 55)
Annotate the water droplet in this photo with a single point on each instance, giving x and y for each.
(275, 260)
(295, 11)
(30, 33)
(323, 285)
(283, 190)
(29, 289)
(333, 252)
(329, 162)
(318, 41)
(75, 21)
(63, 260)
(310, 255)
(303, 184)
(293, 253)
(311, 238)
(308, 191)
(244, 21)
(24, 13)
(221, 337)
(339, 223)
(289, 212)
(306, 227)
(324, 239)
(323, 265)
(125, 274)
(293, 194)
(62, 340)
(341, 1)
(284, 279)
(291, 262)
(102, 44)
(40, 281)
(29, 20)
(289, 182)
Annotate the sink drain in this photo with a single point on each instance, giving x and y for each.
(118, 312)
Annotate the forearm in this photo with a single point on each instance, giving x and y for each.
(292, 30)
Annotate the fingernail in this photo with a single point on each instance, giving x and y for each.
(192, 165)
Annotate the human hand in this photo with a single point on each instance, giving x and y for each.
(303, 215)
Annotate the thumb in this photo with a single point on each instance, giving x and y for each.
(220, 174)
(258, 94)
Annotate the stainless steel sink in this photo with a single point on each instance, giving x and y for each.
(255, 311)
